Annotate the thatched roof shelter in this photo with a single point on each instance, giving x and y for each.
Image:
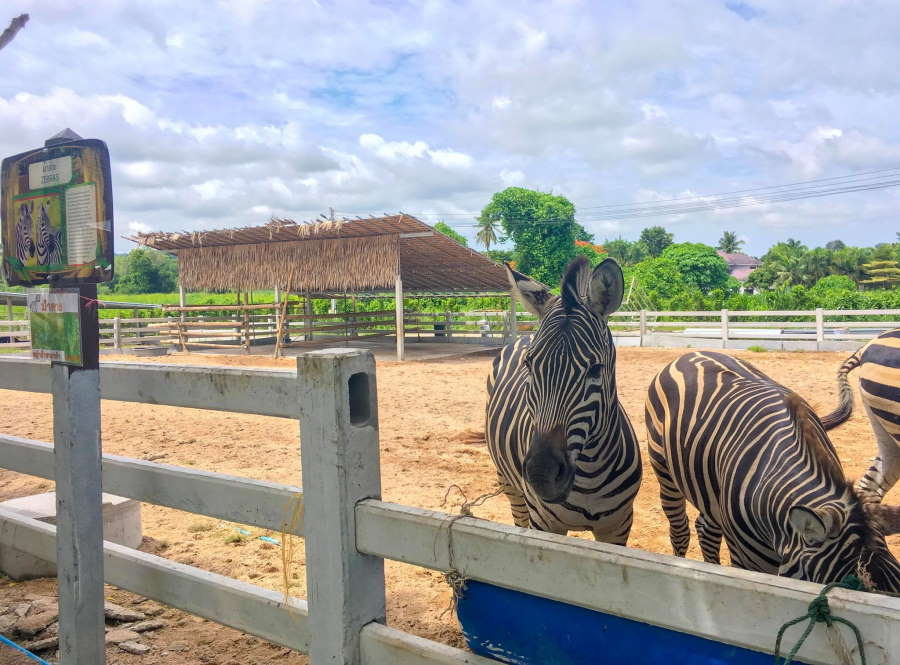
(330, 258)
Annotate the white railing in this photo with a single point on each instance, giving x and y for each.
(349, 531)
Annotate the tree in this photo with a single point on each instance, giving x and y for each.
(450, 233)
(541, 225)
(142, 275)
(659, 278)
(835, 245)
(699, 265)
(729, 243)
(655, 239)
(626, 252)
(487, 233)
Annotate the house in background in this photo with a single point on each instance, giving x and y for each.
(740, 265)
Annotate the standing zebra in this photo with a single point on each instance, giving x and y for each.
(566, 454)
(23, 233)
(755, 461)
(49, 251)
(879, 385)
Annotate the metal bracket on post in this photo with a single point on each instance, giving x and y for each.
(341, 466)
(79, 505)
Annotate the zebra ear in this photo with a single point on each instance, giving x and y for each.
(534, 296)
(813, 526)
(607, 288)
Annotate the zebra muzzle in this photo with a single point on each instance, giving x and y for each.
(548, 469)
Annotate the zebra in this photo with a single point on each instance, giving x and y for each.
(755, 461)
(879, 383)
(23, 233)
(565, 453)
(49, 251)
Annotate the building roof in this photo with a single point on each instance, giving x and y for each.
(738, 259)
(330, 258)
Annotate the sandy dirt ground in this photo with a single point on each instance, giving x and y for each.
(427, 412)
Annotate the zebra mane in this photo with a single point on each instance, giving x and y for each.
(812, 434)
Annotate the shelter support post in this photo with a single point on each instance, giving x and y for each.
(181, 300)
(513, 330)
(341, 467)
(9, 312)
(400, 324)
(79, 516)
(308, 320)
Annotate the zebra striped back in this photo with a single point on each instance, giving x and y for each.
(23, 234)
(565, 452)
(879, 385)
(755, 461)
(49, 251)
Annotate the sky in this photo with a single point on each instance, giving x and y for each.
(222, 114)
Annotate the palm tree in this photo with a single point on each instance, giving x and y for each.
(487, 232)
(729, 243)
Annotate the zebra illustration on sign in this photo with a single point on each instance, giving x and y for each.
(755, 461)
(23, 233)
(879, 385)
(566, 455)
(49, 250)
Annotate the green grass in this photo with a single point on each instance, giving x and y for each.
(756, 348)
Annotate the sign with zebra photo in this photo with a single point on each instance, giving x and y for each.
(55, 322)
(57, 215)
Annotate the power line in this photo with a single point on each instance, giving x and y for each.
(808, 189)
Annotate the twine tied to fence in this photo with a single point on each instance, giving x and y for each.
(452, 576)
(819, 611)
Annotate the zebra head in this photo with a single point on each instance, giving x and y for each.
(571, 387)
(25, 242)
(832, 532)
(844, 537)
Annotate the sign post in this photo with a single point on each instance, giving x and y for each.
(57, 222)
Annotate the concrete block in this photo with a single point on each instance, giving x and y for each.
(121, 525)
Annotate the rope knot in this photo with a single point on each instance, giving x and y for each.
(819, 610)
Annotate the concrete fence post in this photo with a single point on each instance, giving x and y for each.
(724, 328)
(117, 333)
(820, 328)
(642, 326)
(340, 460)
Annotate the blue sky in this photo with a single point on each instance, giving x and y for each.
(226, 113)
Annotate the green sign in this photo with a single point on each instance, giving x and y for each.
(55, 325)
(57, 215)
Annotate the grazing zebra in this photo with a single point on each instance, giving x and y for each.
(23, 233)
(566, 454)
(755, 461)
(49, 251)
(879, 384)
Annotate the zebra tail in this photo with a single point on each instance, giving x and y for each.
(845, 405)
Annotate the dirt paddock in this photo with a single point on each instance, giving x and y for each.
(426, 410)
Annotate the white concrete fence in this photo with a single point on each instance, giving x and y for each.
(349, 531)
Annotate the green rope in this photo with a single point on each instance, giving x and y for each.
(820, 612)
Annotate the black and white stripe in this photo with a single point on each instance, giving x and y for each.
(49, 251)
(756, 462)
(566, 454)
(25, 248)
(878, 364)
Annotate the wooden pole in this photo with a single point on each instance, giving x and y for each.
(341, 467)
(246, 322)
(308, 323)
(79, 506)
(724, 319)
(642, 330)
(117, 334)
(399, 323)
(820, 328)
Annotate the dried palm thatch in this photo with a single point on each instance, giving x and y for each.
(317, 265)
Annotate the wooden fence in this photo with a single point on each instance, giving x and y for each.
(349, 532)
(237, 326)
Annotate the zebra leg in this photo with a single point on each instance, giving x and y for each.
(885, 469)
(710, 536)
(517, 503)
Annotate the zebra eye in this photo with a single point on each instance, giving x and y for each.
(595, 370)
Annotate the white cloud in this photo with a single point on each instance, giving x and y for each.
(139, 227)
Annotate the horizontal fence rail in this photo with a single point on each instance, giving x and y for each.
(258, 392)
(245, 607)
(720, 603)
(253, 502)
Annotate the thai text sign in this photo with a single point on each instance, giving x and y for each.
(55, 325)
(57, 215)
